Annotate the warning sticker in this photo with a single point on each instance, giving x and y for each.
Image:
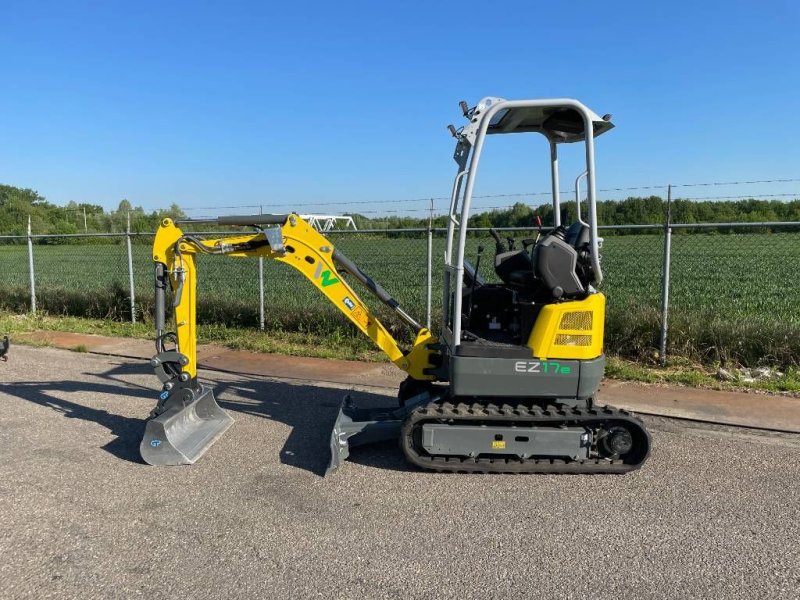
(498, 444)
(360, 317)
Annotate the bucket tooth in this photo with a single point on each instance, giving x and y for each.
(182, 434)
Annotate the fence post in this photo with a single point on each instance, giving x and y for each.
(430, 267)
(261, 293)
(665, 279)
(130, 268)
(261, 284)
(30, 268)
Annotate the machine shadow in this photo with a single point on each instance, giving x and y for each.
(310, 411)
(128, 431)
(139, 367)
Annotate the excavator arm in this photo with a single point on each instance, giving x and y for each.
(297, 244)
(285, 238)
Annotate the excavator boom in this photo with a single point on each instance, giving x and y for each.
(187, 419)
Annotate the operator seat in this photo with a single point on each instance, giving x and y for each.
(514, 268)
(578, 236)
(561, 261)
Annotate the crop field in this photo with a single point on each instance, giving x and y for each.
(732, 296)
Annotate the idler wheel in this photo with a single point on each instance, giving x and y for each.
(617, 441)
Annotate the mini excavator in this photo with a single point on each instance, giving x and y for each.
(509, 383)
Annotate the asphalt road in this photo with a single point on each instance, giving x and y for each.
(713, 513)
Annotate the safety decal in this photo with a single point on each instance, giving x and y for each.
(349, 303)
(360, 317)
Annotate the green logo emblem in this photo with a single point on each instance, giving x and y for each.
(326, 277)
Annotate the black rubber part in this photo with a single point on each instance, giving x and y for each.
(478, 413)
(245, 220)
(411, 387)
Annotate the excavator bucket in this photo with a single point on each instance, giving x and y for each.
(181, 434)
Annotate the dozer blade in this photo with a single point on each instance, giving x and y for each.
(359, 426)
(182, 434)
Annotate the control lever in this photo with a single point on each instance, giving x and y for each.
(474, 281)
(529, 244)
(499, 248)
(539, 225)
(511, 243)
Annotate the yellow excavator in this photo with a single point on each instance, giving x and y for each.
(508, 385)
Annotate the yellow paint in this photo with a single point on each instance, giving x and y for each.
(306, 250)
(570, 329)
(498, 444)
(185, 313)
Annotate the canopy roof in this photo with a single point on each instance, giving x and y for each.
(558, 124)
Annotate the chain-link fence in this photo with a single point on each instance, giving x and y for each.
(732, 291)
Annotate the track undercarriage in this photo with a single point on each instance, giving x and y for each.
(442, 434)
(486, 437)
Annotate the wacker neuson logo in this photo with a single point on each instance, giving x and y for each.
(326, 277)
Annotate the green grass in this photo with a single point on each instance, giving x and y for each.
(331, 345)
(686, 373)
(678, 372)
(734, 297)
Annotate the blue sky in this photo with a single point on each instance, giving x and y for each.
(315, 105)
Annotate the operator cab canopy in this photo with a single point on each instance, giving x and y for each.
(558, 124)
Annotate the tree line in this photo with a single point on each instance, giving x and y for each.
(16, 204)
(649, 210)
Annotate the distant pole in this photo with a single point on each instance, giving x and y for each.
(665, 278)
(86, 227)
(130, 266)
(30, 268)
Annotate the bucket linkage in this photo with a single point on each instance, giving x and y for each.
(187, 420)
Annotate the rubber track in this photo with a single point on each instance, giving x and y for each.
(471, 414)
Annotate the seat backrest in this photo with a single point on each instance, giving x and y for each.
(578, 236)
(555, 261)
